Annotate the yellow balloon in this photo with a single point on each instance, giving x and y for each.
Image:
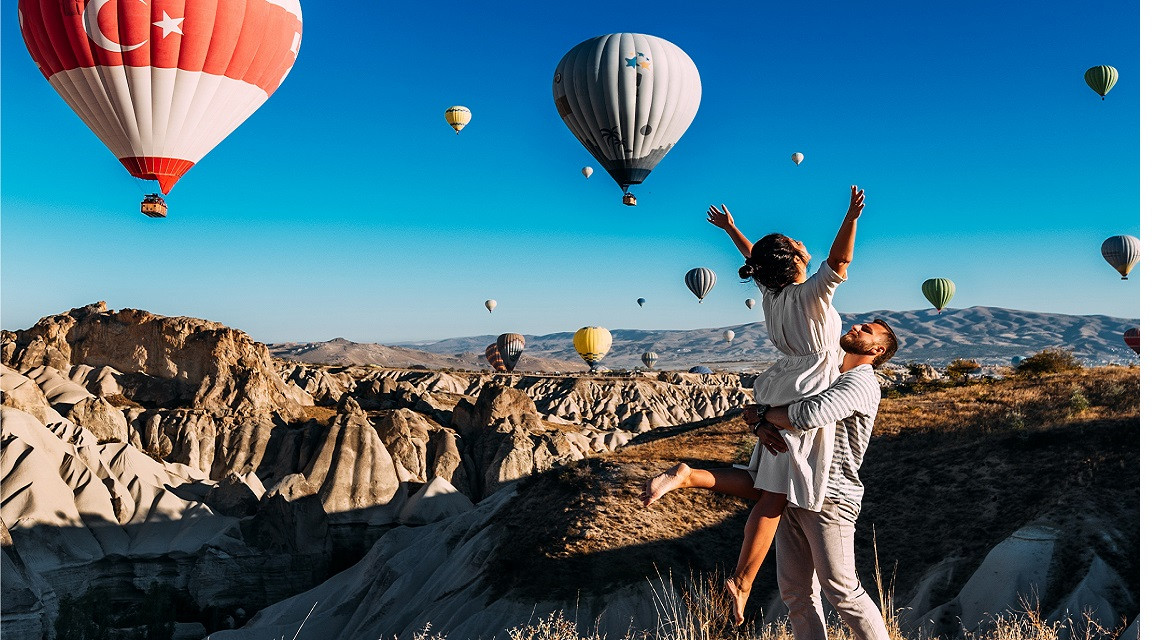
(458, 117)
(592, 343)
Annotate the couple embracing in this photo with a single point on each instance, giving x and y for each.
(813, 416)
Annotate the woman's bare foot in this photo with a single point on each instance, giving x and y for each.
(739, 599)
(673, 478)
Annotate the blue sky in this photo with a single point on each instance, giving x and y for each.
(346, 206)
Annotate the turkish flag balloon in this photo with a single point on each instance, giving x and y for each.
(163, 82)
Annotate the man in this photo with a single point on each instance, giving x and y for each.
(815, 549)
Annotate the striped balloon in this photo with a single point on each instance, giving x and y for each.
(627, 97)
(1132, 339)
(700, 281)
(510, 346)
(1122, 252)
(161, 88)
(700, 369)
(649, 358)
(939, 291)
(592, 343)
(494, 359)
(1101, 79)
(458, 117)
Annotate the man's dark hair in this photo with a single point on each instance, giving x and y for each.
(889, 343)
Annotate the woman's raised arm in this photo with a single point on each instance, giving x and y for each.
(845, 242)
(723, 219)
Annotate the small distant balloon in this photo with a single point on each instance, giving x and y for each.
(1101, 79)
(510, 345)
(1132, 339)
(592, 343)
(749, 303)
(939, 291)
(1122, 252)
(587, 171)
(492, 353)
(700, 369)
(458, 117)
(640, 301)
(797, 157)
(489, 305)
(700, 281)
(649, 358)
(729, 335)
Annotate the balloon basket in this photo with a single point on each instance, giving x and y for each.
(629, 199)
(154, 206)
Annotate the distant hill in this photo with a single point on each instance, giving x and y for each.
(989, 335)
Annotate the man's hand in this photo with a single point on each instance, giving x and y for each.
(751, 414)
(855, 205)
(771, 439)
(722, 219)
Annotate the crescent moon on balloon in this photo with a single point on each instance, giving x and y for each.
(92, 28)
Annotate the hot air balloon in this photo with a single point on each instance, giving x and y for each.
(797, 157)
(162, 89)
(592, 343)
(494, 359)
(627, 97)
(729, 335)
(649, 358)
(700, 281)
(640, 301)
(938, 291)
(700, 369)
(587, 171)
(1122, 252)
(489, 305)
(749, 303)
(458, 117)
(510, 346)
(1132, 339)
(1101, 79)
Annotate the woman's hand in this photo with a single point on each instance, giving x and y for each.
(722, 219)
(856, 204)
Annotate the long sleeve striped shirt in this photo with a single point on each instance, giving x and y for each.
(851, 402)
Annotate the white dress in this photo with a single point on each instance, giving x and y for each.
(805, 327)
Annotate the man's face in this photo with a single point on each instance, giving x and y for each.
(862, 338)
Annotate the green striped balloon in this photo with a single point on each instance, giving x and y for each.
(1101, 79)
(939, 291)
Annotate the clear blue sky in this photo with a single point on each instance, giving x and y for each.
(346, 206)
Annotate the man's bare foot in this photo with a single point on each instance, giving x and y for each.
(673, 478)
(739, 600)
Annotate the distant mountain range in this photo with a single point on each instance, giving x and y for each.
(989, 335)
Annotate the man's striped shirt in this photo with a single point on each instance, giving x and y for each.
(851, 402)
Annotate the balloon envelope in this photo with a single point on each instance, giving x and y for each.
(640, 301)
(587, 171)
(729, 335)
(1132, 338)
(592, 343)
(797, 157)
(649, 358)
(458, 117)
(492, 353)
(939, 291)
(700, 369)
(627, 97)
(510, 346)
(749, 303)
(1122, 252)
(160, 93)
(700, 281)
(1101, 79)
(489, 305)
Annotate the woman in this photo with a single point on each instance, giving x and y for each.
(804, 326)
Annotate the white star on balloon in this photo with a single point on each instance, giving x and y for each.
(169, 25)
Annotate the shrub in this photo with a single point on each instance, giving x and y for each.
(1048, 361)
(961, 369)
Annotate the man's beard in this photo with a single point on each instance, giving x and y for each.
(860, 346)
